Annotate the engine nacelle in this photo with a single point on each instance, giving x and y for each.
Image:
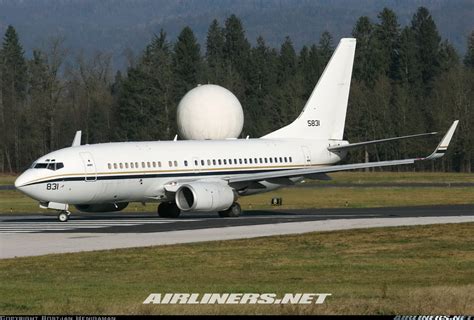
(204, 196)
(102, 207)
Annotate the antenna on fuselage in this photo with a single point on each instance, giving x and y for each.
(77, 139)
(175, 138)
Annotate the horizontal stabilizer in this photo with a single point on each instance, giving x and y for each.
(365, 143)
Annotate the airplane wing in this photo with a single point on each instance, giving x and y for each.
(438, 153)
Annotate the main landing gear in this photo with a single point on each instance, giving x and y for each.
(168, 210)
(63, 216)
(234, 211)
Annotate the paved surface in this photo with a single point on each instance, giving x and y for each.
(22, 235)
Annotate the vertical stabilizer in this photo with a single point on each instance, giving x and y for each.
(324, 114)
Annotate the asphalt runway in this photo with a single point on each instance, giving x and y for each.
(26, 235)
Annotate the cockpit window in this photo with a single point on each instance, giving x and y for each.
(50, 166)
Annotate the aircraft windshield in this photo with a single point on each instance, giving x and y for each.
(49, 165)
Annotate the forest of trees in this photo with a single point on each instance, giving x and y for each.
(406, 80)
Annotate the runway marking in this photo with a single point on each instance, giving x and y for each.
(7, 227)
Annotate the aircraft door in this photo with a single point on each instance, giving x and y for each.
(306, 155)
(89, 165)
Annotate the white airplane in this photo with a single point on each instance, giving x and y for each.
(208, 175)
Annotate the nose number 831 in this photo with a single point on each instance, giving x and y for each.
(52, 186)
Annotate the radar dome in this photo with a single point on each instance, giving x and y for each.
(209, 112)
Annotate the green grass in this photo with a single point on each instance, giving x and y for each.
(396, 177)
(7, 179)
(403, 270)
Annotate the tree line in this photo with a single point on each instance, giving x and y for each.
(406, 80)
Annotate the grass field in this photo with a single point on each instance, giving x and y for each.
(12, 201)
(403, 270)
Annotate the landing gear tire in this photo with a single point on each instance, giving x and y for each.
(63, 216)
(234, 211)
(168, 210)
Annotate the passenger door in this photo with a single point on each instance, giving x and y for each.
(89, 166)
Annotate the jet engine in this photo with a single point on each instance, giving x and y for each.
(102, 207)
(204, 196)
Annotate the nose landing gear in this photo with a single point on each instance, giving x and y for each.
(63, 216)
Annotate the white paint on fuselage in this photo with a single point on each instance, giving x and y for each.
(96, 183)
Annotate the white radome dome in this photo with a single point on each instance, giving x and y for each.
(209, 112)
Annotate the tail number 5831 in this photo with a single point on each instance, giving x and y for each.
(314, 123)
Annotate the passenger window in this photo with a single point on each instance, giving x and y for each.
(202, 162)
(143, 164)
(175, 163)
(109, 165)
(245, 160)
(250, 160)
(266, 160)
(240, 161)
(281, 160)
(154, 164)
(170, 163)
(291, 160)
(121, 165)
(208, 162)
(115, 166)
(196, 163)
(255, 160)
(159, 164)
(286, 159)
(126, 165)
(131, 165)
(219, 161)
(185, 163)
(225, 161)
(214, 161)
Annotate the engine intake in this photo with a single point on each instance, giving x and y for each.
(102, 207)
(204, 196)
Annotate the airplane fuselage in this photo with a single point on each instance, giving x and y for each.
(139, 171)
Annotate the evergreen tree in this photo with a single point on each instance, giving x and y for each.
(427, 41)
(410, 71)
(326, 47)
(287, 61)
(367, 62)
(261, 82)
(236, 46)
(146, 103)
(388, 39)
(469, 57)
(13, 90)
(215, 52)
(449, 58)
(186, 63)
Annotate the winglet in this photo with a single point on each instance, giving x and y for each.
(443, 145)
(77, 139)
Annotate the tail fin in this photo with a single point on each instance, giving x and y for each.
(324, 114)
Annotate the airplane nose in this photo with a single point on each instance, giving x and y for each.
(20, 181)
